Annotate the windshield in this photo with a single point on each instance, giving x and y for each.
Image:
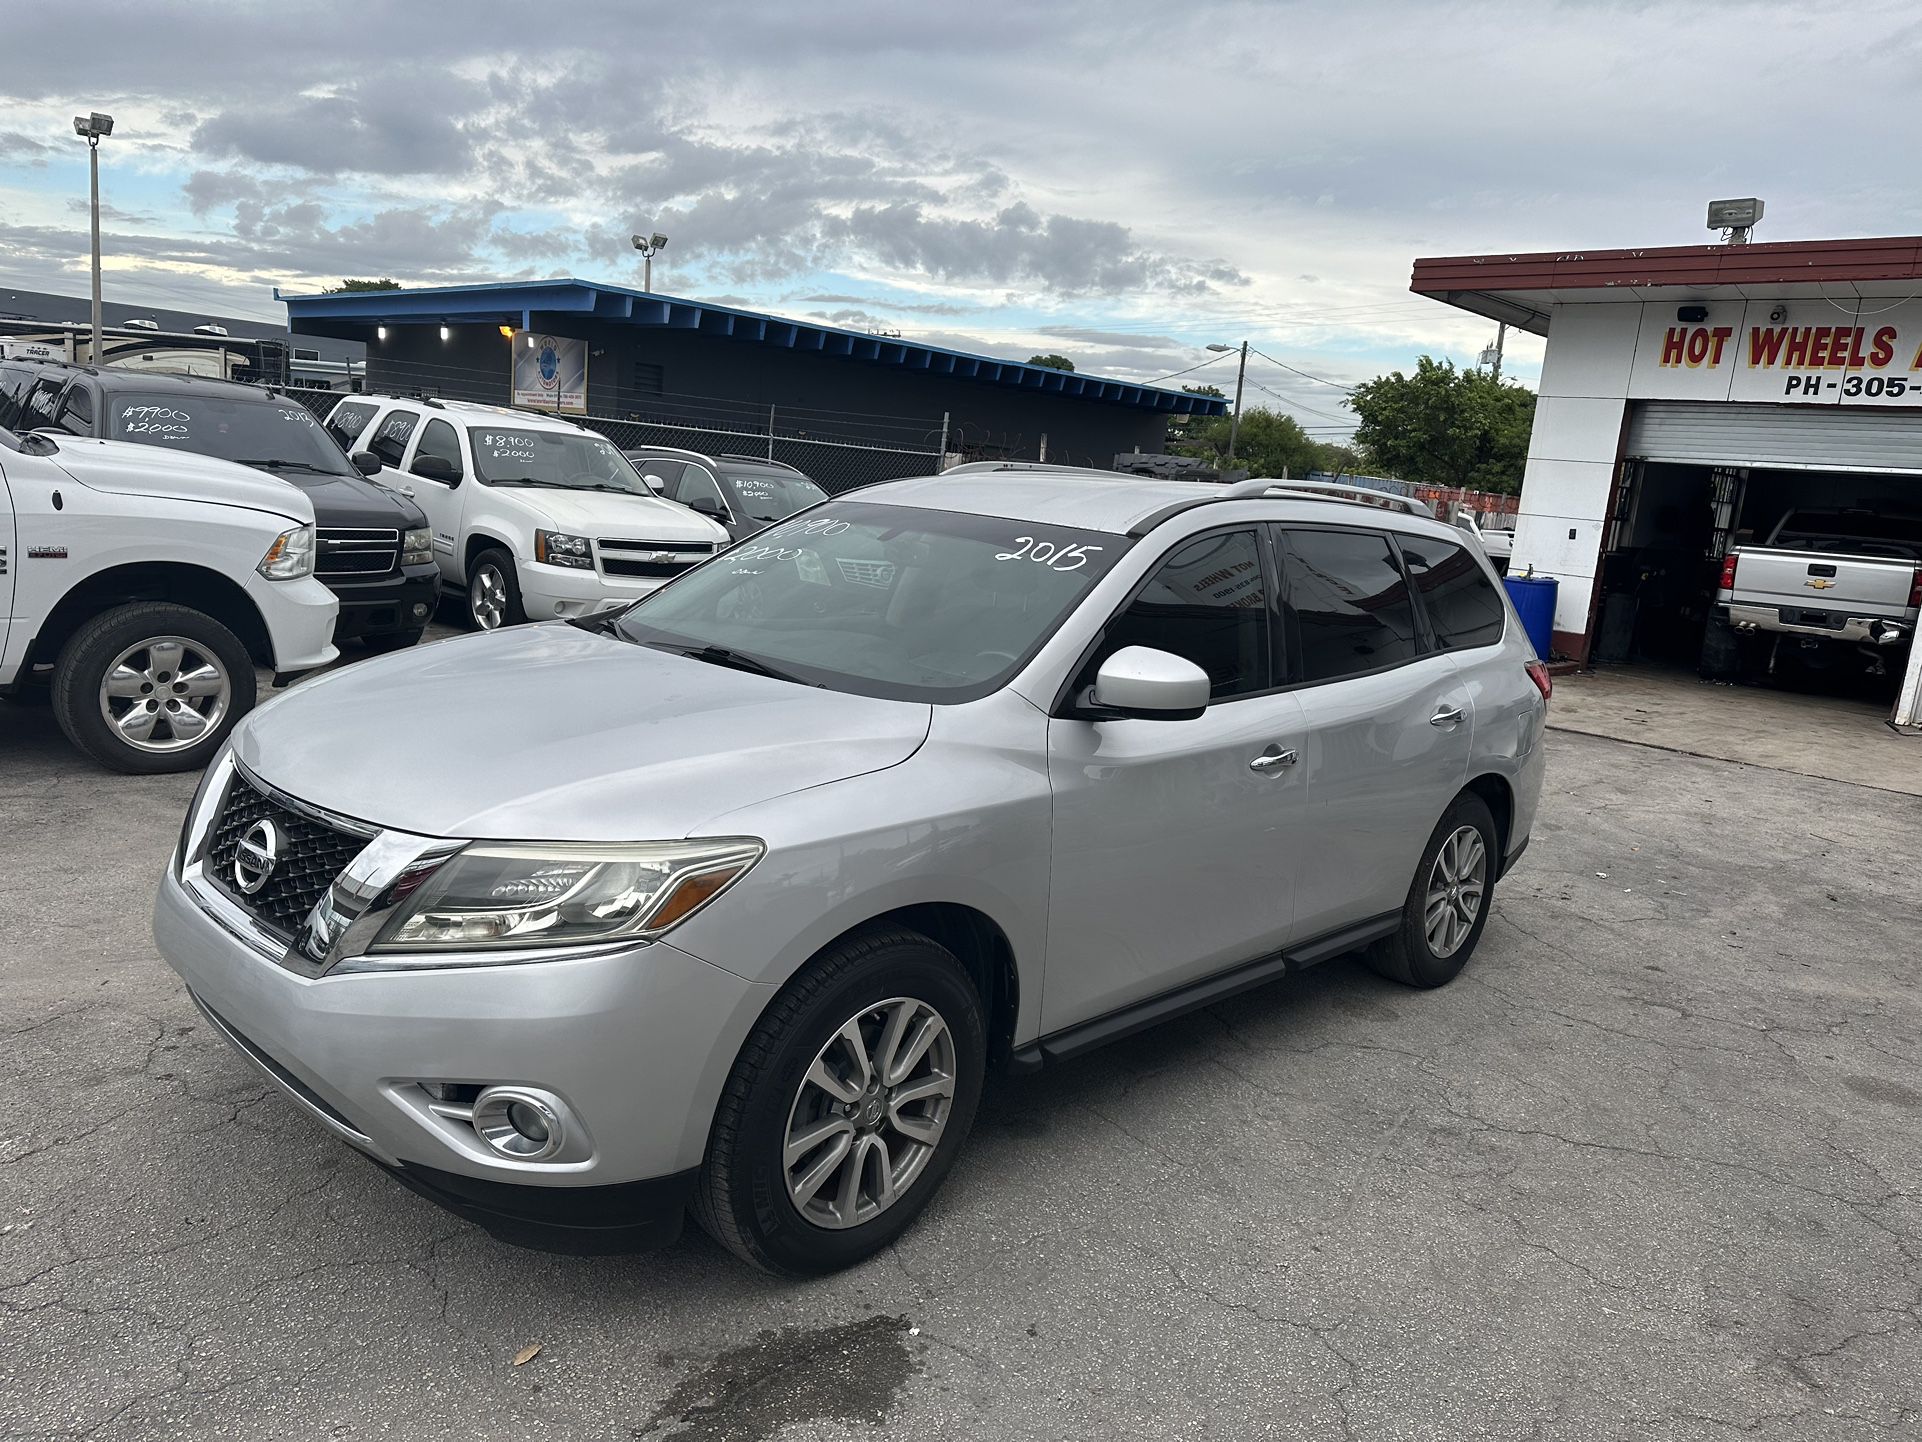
(883, 600)
(571, 460)
(1858, 533)
(256, 431)
(773, 497)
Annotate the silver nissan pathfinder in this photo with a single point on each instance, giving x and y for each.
(728, 901)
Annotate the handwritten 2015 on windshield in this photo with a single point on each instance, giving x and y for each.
(1042, 552)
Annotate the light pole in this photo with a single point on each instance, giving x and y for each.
(1234, 424)
(92, 129)
(649, 246)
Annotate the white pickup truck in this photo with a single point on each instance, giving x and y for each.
(139, 589)
(1848, 577)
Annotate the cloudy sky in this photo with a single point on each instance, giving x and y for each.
(1123, 182)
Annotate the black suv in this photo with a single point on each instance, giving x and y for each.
(376, 552)
(744, 493)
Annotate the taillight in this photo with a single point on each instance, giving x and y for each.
(1544, 683)
(1728, 571)
(1915, 589)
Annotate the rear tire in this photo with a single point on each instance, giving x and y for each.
(1448, 901)
(152, 687)
(494, 592)
(891, 991)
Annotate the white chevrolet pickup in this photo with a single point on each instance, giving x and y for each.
(1847, 577)
(141, 587)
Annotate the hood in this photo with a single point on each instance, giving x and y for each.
(601, 514)
(357, 501)
(128, 469)
(559, 734)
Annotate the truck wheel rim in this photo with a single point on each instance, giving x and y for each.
(487, 597)
(164, 694)
(869, 1113)
(1457, 887)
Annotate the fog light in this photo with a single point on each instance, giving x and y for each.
(420, 610)
(518, 1123)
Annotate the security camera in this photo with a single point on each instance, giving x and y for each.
(1778, 315)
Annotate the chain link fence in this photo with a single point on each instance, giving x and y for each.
(838, 450)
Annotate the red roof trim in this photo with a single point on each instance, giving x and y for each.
(1775, 262)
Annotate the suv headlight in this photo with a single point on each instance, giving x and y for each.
(495, 896)
(417, 546)
(290, 557)
(557, 548)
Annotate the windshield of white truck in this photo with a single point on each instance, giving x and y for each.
(562, 460)
(1851, 533)
(880, 600)
(271, 434)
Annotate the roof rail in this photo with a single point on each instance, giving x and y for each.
(668, 451)
(1256, 490)
(982, 468)
(1327, 491)
(758, 460)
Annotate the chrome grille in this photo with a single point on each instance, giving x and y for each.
(653, 559)
(349, 551)
(316, 854)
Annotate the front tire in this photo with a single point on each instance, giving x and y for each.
(847, 1106)
(1448, 901)
(494, 592)
(152, 687)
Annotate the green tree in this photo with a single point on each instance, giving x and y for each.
(1052, 362)
(1268, 444)
(351, 284)
(1215, 391)
(1444, 427)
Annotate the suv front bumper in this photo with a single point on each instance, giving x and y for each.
(564, 592)
(387, 605)
(636, 1042)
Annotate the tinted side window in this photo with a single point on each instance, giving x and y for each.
(14, 382)
(1347, 603)
(439, 440)
(348, 421)
(1208, 603)
(1463, 607)
(37, 413)
(389, 442)
(76, 411)
(698, 485)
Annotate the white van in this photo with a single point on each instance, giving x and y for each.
(534, 517)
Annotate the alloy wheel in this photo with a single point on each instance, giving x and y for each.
(165, 693)
(1457, 888)
(487, 598)
(869, 1113)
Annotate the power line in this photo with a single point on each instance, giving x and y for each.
(1320, 380)
(1208, 362)
(1296, 405)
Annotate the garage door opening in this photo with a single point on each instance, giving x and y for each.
(1699, 479)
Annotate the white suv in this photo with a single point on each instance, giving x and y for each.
(533, 516)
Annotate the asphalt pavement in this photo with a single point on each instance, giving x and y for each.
(1649, 1169)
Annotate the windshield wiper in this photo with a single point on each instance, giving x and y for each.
(724, 656)
(526, 481)
(277, 464)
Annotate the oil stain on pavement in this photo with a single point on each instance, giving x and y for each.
(852, 1372)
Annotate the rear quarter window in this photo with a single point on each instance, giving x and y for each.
(348, 421)
(1463, 606)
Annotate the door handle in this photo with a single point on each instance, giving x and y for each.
(407, 491)
(1446, 716)
(1273, 760)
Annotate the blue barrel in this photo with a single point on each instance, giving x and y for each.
(1534, 598)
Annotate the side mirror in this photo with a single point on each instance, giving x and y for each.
(1154, 685)
(366, 462)
(655, 484)
(436, 468)
(708, 507)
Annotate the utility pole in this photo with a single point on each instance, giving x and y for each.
(1234, 425)
(91, 128)
(1492, 355)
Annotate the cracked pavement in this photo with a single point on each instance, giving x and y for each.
(1650, 1168)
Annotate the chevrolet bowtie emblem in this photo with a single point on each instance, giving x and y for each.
(1818, 584)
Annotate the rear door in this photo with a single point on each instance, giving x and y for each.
(442, 500)
(1387, 723)
(8, 553)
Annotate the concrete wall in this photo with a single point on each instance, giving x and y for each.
(726, 382)
(1582, 405)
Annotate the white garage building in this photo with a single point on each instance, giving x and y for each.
(1690, 396)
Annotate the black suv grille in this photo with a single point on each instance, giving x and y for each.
(345, 551)
(314, 855)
